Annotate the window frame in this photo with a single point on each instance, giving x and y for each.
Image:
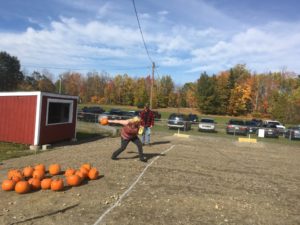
(63, 101)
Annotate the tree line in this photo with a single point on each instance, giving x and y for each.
(235, 92)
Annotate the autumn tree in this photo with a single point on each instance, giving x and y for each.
(188, 95)
(165, 91)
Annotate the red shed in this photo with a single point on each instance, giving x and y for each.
(37, 118)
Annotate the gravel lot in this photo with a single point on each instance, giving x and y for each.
(200, 180)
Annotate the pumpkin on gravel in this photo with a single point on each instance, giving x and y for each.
(54, 169)
(93, 174)
(84, 171)
(22, 187)
(57, 184)
(40, 167)
(28, 171)
(69, 172)
(8, 185)
(46, 183)
(81, 174)
(73, 180)
(35, 184)
(39, 174)
(12, 172)
(87, 166)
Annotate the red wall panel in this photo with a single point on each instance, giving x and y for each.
(17, 119)
(59, 132)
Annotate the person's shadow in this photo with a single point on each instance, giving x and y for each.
(160, 142)
(146, 155)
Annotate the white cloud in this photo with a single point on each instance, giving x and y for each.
(261, 48)
(200, 38)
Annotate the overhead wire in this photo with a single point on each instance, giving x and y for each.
(144, 42)
(68, 68)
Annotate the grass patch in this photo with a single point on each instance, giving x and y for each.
(81, 136)
(11, 150)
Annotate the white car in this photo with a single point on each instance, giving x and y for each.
(279, 126)
(207, 124)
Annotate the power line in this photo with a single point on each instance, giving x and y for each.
(141, 32)
(68, 68)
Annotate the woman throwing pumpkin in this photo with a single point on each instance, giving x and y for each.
(129, 132)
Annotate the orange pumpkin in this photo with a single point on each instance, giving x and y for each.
(104, 121)
(84, 171)
(22, 187)
(16, 178)
(81, 174)
(40, 167)
(73, 180)
(8, 185)
(57, 185)
(87, 166)
(27, 171)
(14, 173)
(93, 174)
(54, 169)
(35, 183)
(46, 183)
(69, 172)
(39, 174)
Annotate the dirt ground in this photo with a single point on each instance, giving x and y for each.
(199, 180)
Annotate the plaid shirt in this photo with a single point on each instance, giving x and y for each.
(147, 118)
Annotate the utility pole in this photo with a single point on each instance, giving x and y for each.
(152, 83)
(60, 84)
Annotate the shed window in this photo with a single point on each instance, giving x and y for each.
(59, 112)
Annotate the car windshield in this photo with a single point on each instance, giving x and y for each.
(250, 123)
(176, 117)
(207, 121)
(236, 122)
(274, 123)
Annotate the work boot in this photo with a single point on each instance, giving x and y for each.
(114, 158)
(143, 159)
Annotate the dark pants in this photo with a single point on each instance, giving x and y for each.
(124, 144)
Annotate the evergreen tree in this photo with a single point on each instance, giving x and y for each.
(10, 74)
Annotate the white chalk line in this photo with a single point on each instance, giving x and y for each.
(130, 188)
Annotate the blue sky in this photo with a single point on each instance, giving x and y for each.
(184, 37)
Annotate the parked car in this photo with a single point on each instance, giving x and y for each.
(252, 126)
(258, 122)
(235, 126)
(90, 114)
(130, 114)
(115, 114)
(179, 121)
(207, 124)
(279, 126)
(193, 118)
(157, 115)
(292, 133)
(271, 130)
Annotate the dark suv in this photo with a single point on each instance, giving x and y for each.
(193, 118)
(235, 126)
(271, 130)
(179, 121)
(90, 114)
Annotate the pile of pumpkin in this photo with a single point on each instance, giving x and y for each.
(34, 178)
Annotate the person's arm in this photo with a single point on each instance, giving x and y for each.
(122, 122)
(142, 114)
(151, 119)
